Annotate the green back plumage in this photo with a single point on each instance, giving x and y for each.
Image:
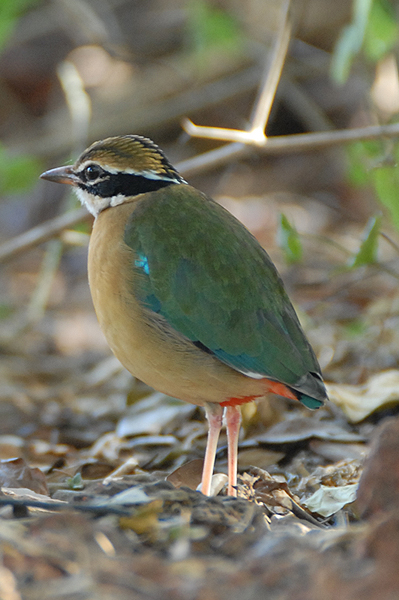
(200, 268)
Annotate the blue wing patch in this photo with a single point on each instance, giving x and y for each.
(142, 263)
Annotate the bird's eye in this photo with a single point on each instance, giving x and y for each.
(92, 172)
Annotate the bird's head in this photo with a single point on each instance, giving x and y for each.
(115, 170)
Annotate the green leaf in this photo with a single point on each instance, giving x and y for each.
(382, 31)
(350, 41)
(289, 241)
(367, 253)
(10, 11)
(374, 163)
(355, 328)
(211, 27)
(386, 185)
(17, 173)
(362, 157)
(75, 482)
(6, 311)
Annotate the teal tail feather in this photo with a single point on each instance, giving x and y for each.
(308, 401)
(310, 390)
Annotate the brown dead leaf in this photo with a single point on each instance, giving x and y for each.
(261, 457)
(15, 473)
(188, 475)
(95, 469)
(11, 446)
(274, 494)
(267, 489)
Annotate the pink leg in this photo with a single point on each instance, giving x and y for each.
(214, 414)
(233, 423)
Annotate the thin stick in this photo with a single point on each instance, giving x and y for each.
(79, 106)
(78, 102)
(299, 142)
(49, 268)
(256, 133)
(269, 86)
(43, 232)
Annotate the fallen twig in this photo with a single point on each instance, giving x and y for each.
(41, 233)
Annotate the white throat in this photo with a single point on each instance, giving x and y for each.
(95, 204)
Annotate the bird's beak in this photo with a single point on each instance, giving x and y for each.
(61, 175)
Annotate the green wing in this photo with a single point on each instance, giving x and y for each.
(200, 268)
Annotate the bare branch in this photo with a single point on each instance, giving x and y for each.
(42, 233)
(256, 134)
(272, 76)
(300, 142)
(78, 102)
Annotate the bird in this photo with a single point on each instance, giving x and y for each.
(189, 301)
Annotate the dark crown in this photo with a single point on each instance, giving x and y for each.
(127, 165)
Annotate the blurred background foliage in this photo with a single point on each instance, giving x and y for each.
(374, 32)
(10, 11)
(75, 71)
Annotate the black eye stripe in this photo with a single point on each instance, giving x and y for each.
(126, 184)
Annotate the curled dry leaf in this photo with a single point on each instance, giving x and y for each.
(359, 401)
(268, 490)
(273, 494)
(218, 482)
(15, 473)
(188, 475)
